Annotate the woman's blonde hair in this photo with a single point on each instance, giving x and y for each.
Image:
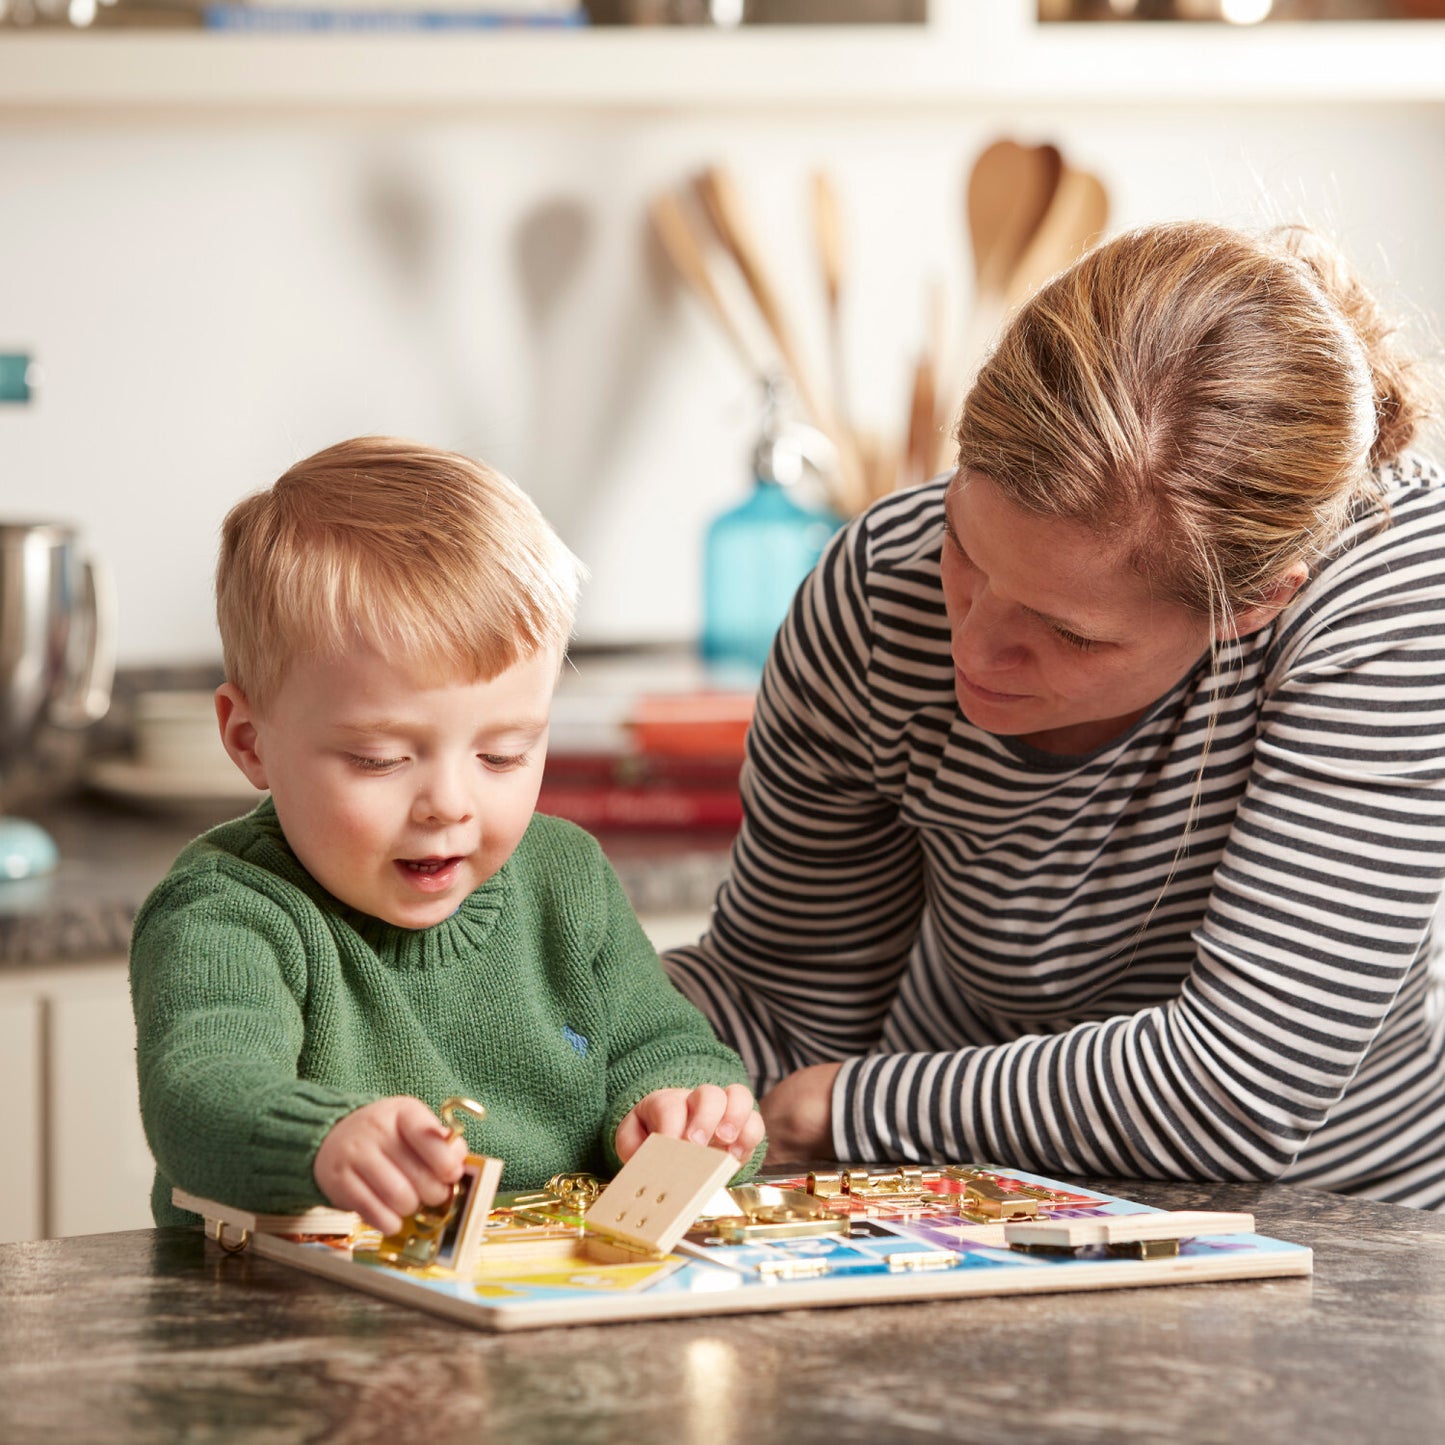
(433, 559)
(1218, 400)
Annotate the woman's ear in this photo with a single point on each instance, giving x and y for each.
(238, 732)
(1277, 597)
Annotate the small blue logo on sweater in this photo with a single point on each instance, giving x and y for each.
(575, 1039)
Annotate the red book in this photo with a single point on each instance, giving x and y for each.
(636, 770)
(659, 805)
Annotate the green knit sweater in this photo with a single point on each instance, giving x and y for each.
(266, 1010)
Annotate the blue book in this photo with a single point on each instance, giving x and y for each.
(285, 18)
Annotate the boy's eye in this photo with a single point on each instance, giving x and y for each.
(503, 762)
(374, 765)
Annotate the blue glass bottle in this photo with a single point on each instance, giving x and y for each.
(757, 553)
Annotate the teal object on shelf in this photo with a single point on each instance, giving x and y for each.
(26, 849)
(755, 556)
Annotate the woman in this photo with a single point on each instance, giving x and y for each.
(1096, 795)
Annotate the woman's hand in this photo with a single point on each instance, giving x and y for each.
(386, 1159)
(798, 1112)
(720, 1118)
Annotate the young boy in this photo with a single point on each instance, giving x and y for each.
(394, 924)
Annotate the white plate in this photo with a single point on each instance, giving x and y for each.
(171, 789)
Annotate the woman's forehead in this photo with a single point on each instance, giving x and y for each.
(1060, 567)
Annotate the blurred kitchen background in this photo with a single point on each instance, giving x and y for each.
(231, 235)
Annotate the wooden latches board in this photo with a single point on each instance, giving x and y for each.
(1148, 1236)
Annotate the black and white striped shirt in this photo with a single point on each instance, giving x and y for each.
(1022, 957)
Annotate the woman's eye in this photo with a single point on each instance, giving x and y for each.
(1072, 639)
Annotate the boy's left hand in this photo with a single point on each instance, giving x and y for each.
(722, 1118)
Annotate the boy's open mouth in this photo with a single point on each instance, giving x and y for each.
(426, 865)
(429, 874)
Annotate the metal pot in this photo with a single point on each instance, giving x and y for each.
(57, 658)
(56, 634)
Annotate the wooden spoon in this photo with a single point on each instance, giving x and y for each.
(686, 251)
(1076, 219)
(828, 232)
(1010, 190)
(723, 202)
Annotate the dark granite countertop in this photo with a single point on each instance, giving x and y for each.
(111, 856)
(154, 1335)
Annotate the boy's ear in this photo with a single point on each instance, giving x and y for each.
(1278, 596)
(238, 732)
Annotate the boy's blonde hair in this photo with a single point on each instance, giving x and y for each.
(433, 559)
(1218, 399)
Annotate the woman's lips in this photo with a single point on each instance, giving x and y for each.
(986, 694)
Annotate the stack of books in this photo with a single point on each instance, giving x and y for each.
(389, 15)
(666, 760)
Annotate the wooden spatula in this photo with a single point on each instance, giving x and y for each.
(723, 203)
(1075, 220)
(1010, 190)
(828, 233)
(688, 255)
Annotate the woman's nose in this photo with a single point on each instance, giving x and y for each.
(983, 636)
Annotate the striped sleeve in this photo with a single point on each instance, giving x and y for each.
(816, 919)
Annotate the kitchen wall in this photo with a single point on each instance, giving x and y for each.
(214, 297)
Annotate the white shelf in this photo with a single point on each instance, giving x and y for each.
(961, 63)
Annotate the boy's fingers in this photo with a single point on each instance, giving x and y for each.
(431, 1182)
(442, 1158)
(749, 1136)
(630, 1134)
(398, 1187)
(738, 1104)
(664, 1112)
(741, 1126)
(418, 1125)
(705, 1108)
(426, 1151)
(373, 1211)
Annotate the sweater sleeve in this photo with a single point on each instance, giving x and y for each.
(1317, 920)
(825, 879)
(218, 979)
(657, 1039)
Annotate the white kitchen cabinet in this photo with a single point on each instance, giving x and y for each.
(100, 1171)
(21, 1176)
(668, 930)
(67, 1067)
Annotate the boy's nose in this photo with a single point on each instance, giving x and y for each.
(445, 799)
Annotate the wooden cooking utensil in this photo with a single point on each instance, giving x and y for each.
(724, 206)
(685, 249)
(922, 443)
(1077, 218)
(921, 435)
(1010, 190)
(723, 202)
(828, 232)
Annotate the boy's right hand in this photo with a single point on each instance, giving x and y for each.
(386, 1159)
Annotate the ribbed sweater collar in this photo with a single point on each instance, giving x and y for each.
(452, 940)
